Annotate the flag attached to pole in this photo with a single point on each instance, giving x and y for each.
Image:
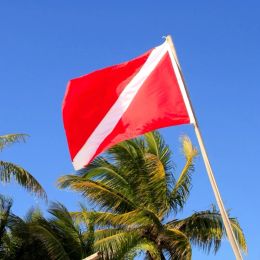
(123, 101)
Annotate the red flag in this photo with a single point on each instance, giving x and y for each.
(123, 101)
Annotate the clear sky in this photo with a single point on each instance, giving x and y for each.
(43, 44)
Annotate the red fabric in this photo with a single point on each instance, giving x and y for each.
(89, 98)
(158, 103)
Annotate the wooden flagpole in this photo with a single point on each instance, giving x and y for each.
(95, 256)
(224, 215)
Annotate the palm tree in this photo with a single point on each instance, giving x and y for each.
(134, 186)
(20, 242)
(36, 238)
(9, 171)
(5, 212)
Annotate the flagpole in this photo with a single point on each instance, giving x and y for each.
(224, 215)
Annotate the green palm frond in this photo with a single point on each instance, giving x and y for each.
(103, 233)
(130, 219)
(127, 152)
(147, 246)
(117, 246)
(62, 224)
(50, 241)
(100, 168)
(238, 232)
(8, 247)
(87, 235)
(177, 244)
(206, 229)
(10, 139)
(99, 193)
(156, 145)
(83, 216)
(60, 214)
(33, 214)
(5, 211)
(10, 171)
(157, 184)
(181, 190)
(159, 166)
(108, 174)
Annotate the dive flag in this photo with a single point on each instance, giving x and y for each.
(120, 102)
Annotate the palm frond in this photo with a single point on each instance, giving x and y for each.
(99, 193)
(60, 212)
(117, 246)
(9, 139)
(83, 216)
(126, 153)
(156, 145)
(157, 184)
(103, 233)
(176, 243)
(9, 170)
(100, 168)
(62, 224)
(108, 174)
(181, 190)
(8, 247)
(33, 214)
(130, 219)
(238, 232)
(159, 165)
(51, 243)
(206, 229)
(145, 245)
(5, 211)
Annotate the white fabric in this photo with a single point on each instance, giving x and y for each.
(181, 85)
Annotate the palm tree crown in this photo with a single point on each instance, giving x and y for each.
(134, 186)
(9, 171)
(38, 238)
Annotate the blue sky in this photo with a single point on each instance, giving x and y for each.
(45, 43)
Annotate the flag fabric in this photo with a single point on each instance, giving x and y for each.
(120, 102)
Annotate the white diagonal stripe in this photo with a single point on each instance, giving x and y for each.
(113, 116)
(181, 85)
